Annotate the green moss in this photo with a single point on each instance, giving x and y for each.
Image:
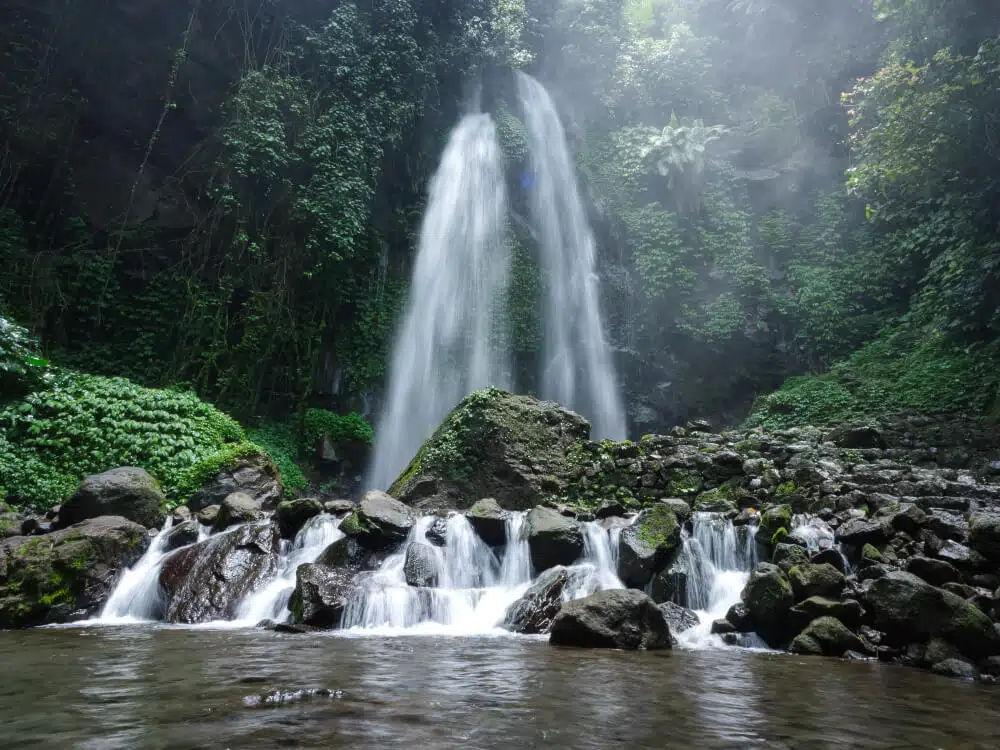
(778, 536)
(870, 553)
(60, 596)
(785, 488)
(658, 527)
(748, 446)
(685, 483)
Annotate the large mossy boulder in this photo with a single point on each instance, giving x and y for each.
(825, 636)
(321, 594)
(849, 612)
(815, 580)
(617, 618)
(379, 521)
(207, 580)
(648, 545)
(553, 538)
(768, 597)
(127, 491)
(489, 521)
(773, 519)
(254, 475)
(67, 574)
(909, 610)
(495, 444)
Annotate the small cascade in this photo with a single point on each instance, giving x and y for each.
(136, 597)
(719, 558)
(516, 565)
(816, 534)
(270, 602)
(598, 566)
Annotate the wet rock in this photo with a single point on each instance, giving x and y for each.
(553, 538)
(954, 553)
(908, 609)
(849, 611)
(738, 616)
(857, 436)
(773, 519)
(722, 626)
(208, 516)
(870, 555)
(534, 612)
(181, 514)
(768, 597)
(860, 531)
(815, 580)
(51, 578)
(489, 521)
(437, 534)
(255, 476)
(787, 556)
(935, 572)
(939, 650)
(648, 545)
(618, 618)
(338, 507)
(678, 618)
(671, 585)
(237, 508)
(181, 535)
(128, 492)
(825, 636)
(420, 566)
(984, 534)
(206, 580)
(947, 525)
(321, 595)
(292, 515)
(830, 557)
(379, 521)
(680, 508)
(909, 518)
(958, 668)
(275, 698)
(516, 449)
(612, 508)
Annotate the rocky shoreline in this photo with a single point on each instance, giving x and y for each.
(877, 541)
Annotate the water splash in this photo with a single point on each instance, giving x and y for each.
(719, 558)
(577, 369)
(447, 346)
(270, 601)
(137, 596)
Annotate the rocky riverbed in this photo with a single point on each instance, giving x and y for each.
(876, 541)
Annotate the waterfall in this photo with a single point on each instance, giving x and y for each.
(447, 345)
(718, 558)
(577, 368)
(270, 602)
(473, 584)
(136, 597)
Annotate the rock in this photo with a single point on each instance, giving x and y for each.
(421, 565)
(826, 636)
(128, 492)
(947, 525)
(678, 618)
(815, 580)
(768, 597)
(938, 650)
(293, 514)
(680, 508)
(321, 594)
(849, 612)
(908, 609)
(338, 507)
(207, 580)
(237, 508)
(670, 585)
(860, 531)
(515, 449)
(738, 616)
(616, 618)
(870, 555)
(379, 521)
(648, 545)
(489, 520)
(611, 508)
(11, 524)
(208, 516)
(984, 535)
(935, 572)
(857, 436)
(255, 476)
(181, 535)
(534, 612)
(67, 574)
(722, 626)
(909, 518)
(773, 519)
(830, 557)
(958, 668)
(952, 552)
(787, 556)
(181, 514)
(553, 538)
(437, 534)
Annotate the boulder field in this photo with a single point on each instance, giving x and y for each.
(877, 540)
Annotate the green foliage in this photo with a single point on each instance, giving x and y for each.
(339, 429)
(282, 445)
(22, 368)
(86, 424)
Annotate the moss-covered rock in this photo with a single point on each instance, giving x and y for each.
(292, 515)
(787, 556)
(515, 449)
(127, 491)
(768, 597)
(617, 618)
(849, 612)
(65, 574)
(826, 636)
(774, 518)
(815, 580)
(648, 545)
(984, 535)
(379, 521)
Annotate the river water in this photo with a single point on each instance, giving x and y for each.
(156, 687)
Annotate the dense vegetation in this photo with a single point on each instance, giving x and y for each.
(780, 188)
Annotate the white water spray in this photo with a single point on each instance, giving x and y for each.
(577, 368)
(136, 597)
(447, 346)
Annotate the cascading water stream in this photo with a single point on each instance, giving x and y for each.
(270, 601)
(448, 345)
(136, 597)
(718, 558)
(577, 368)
